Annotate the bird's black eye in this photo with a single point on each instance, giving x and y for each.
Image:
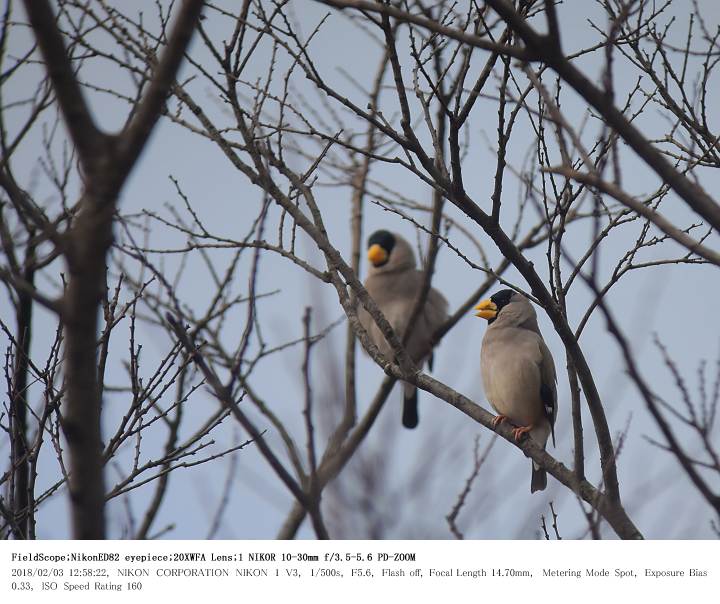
(385, 239)
(502, 298)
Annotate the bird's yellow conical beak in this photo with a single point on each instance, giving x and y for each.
(486, 309)
(376, 254)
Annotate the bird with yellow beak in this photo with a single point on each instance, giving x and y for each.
(395, 284)
(518, 371)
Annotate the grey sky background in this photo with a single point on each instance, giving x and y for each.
(422, 470)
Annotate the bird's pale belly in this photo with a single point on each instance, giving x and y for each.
(511, 397)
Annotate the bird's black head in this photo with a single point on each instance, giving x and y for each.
(502, 298)
(490, 309)
(380, 246)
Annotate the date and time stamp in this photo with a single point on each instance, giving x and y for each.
(138, 571)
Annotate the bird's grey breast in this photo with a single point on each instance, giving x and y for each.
(509, 361)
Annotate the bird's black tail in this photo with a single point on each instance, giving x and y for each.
(410, 407)
(538, 481)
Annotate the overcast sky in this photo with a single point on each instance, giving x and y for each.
(423, 470)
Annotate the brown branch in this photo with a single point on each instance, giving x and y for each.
(132, 141)
(478, 461)
(21, 496)
(389, 10)
(225, 398)
(85, 134)
(645, 211)
(107, 162)
(650, 400)
(606, 505)
(538, 45)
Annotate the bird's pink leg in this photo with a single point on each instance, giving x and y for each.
(518, 433)
(497, 420)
